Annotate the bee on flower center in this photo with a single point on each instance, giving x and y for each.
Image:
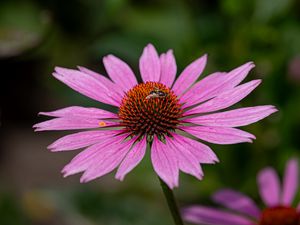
(156, 93)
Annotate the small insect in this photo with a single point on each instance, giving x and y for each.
(156, 93)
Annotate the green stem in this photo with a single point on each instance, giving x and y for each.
(171, 203)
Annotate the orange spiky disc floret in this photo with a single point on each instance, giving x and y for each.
(280, 215)
(150, 109)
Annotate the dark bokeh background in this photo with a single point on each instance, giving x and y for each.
(36, 35)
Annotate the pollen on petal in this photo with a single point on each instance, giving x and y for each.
(102, 124)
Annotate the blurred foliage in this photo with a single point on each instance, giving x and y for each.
(36, 35)
(21, 28)
(10, 210)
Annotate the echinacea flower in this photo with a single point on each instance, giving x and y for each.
(159, 112)
(242, 210)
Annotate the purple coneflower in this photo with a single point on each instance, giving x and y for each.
(241, 210)
(171, 116)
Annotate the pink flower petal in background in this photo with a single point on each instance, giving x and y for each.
(237, 201)
(290, 182)
(212, 216)
(244, 210)
(269, 187)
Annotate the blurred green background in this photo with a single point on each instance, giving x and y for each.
(36, 35)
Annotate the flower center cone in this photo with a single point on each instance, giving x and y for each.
(280, 215)
(150, 109)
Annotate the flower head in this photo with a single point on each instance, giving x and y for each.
(241, 210)
(170, 116)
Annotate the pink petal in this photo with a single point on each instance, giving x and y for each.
(234, 118)
(78, 111)
(150, 64)
(219, 135)
(202, 152)
(106, 82)
(269, 187)
(103, 79)
(187, 162)
(106, 161)
(238, 74)
(72, 123)
(87, 157)
(119, 93)
(215, 84)
(290, 182)
(81, 140)
(87, 85)
(168, 68)
(132, 159)
(226, 99)
(237, 201)
(212, 216)
(119, 72)
(164, 163)
(209, 87)
(189, 75)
